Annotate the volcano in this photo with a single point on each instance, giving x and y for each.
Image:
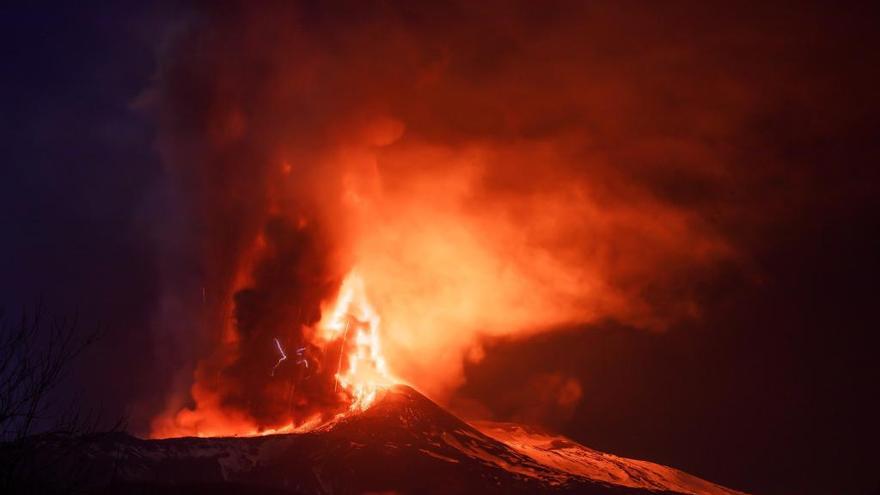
(404, 443)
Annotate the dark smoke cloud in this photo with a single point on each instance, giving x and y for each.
(617, 150)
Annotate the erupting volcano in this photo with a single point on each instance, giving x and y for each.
(387, 247)
(403, 444)
(367, 211)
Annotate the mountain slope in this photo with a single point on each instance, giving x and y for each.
(403, 444)
(568, 456)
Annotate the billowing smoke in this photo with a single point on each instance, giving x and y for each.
(488, 170)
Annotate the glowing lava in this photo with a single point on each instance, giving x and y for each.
(354, 319)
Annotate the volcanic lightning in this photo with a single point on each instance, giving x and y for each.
(281, 359)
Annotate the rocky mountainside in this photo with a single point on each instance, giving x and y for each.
(403, 444)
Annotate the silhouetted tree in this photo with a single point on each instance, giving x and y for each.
(35, 358)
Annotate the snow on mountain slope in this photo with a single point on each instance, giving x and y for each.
(404, 443)
(571, 457)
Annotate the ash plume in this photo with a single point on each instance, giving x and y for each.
(489, 170)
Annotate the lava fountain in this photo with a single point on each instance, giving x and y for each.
(367, 372)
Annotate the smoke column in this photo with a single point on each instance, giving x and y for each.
(488, 170)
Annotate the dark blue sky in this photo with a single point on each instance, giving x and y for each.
(772, 391)
(77, 159)
(78, 178)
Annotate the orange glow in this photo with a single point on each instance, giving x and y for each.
(407, 181)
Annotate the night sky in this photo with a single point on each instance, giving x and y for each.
(771, 389)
